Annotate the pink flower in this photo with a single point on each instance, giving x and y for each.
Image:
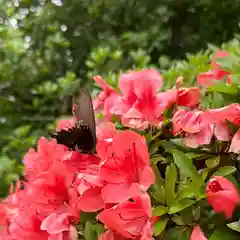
(134, 119)
(216, 74)
(230, 113)
(52, 192)
(198, 127)
(129, 219)
(218, 54)
(222, 195)
(235, 144)
(105, 133)
(127, 163)
(111, 235)
(140, 84)
(197, 234)
(58, 227)
(25, 226)
(106, 99)
(89, 186)
(207, 79)
(48, 153)
(166, 99)
(139, 105)
(3, 215)
(66, 123)
(193, 127)
(188, 97)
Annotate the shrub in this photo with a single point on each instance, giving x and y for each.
(166, 164)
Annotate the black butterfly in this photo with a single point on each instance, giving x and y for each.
(81, 137)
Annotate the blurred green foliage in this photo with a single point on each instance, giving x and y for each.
(48, 48)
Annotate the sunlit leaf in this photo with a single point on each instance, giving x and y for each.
(160, 225)
(159, 210)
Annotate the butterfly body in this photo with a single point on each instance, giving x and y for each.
(81, 137)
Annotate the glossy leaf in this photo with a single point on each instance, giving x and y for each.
(185, 165)
(160, 226)
(224, 171)
(170, 183)
(224, 234)
(89, 231)
(212, 162)
(180, 205)
(234, 226)
(159, 210)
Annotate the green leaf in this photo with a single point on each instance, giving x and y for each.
(159, 210)
(87, 216)
(23, 130)
(99, 229)
(212, 162)
(160, 226)
(204, 173)
(234, 226)
(89, 231)
(176, 233)
(178, 220)
(235, 78)
(185, 165)
(170, 183)
(187, 215)
(222, 88)
(158, 193)
(157, 158)
(190, 190)
(224, 234)
(180, 205)
(224, 171)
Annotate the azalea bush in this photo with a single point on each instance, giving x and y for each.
(166, 165)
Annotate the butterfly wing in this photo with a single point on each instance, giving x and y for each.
(66, 137)
(83, 111)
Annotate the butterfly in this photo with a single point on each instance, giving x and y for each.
(81, 137)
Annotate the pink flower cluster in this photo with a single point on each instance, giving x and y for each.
(140, 104)
(216, 73)
(60, 184)
(199, 126)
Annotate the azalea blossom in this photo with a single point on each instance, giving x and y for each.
(48, 153)
(58, 227)
(106, 99)
(235, 144)
(197, 234)
(140, 103)
(230, 113)
(222, 195)
(192, 126)
(127, 163)
(198, 127)
(131, 220)
(27, 226)
(206, 79)
(66, 123)
(188, 97)
(89, 186)
(111, 235)
(105, 133)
